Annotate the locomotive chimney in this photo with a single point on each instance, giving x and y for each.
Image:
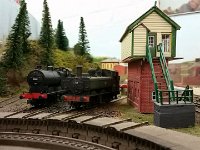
(38, 67)
(79, 70)
(50, 68)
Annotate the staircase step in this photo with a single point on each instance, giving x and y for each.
(160, 79)
(163, 87)
(159, 76)
(156, 63)
(157, 68)
(161, 82)
(158, 72)
(156, 60)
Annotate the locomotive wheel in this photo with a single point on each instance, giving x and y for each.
(37, 103)
(77, 105)
(51, 99)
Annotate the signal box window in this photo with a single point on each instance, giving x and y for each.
(151, 41)
(166, 42)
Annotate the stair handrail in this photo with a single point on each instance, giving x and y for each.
(149, 58)
(169, 81)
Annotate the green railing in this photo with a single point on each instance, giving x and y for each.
(149, 58)
(169, 96)
(180, 96)
(169, 81)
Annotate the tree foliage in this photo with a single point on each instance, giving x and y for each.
(82, 48)
(17, 43)
(83, 42)
(3, 80)
(68, 60)
(46, 36)
(61, 39)
(25, 28)
(77, 49)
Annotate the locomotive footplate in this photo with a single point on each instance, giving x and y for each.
(67, 98)
(33, 96)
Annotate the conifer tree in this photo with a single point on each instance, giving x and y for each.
(61, 39)
(83, 43)
(25, 28)
(46, 36)
(17, 41)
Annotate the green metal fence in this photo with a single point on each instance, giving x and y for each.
(180, 97)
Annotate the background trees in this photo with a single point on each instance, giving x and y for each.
(25, 28)
(82, 47)
(61, 39)
(17, 43)
(46, 36)
(22, 55)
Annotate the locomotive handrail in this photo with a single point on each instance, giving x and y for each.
(149, 58)
(165, 71)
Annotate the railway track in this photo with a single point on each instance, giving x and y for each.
(60, 128)
(46, 142)
(57, 129)
(197, 108)
(8, 101)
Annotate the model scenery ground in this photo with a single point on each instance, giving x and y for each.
(120, 109)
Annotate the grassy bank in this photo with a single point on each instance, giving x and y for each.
(127, 111)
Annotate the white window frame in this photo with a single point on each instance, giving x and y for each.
(166, 42)
(151, 41)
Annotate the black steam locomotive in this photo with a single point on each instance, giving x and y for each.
(45, 85)
(96, 86)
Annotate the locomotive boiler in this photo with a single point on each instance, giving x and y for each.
(45, 85)
(98, 86)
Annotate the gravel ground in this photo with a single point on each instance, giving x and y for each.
(18, 105)
(110, 110)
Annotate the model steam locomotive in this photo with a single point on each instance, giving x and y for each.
(98, 86)
(47, 85)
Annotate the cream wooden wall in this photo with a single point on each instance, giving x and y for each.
(155, 23)
(126, 46)
(140, 35)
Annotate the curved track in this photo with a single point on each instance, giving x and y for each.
(43, 142)
(57, 127)
(110, 132)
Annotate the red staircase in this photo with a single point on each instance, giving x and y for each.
(162, 85)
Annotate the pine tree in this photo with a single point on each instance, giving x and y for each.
(17, 41)
(25, 28)
(61, 39)
(83, 43)
(46, 36)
